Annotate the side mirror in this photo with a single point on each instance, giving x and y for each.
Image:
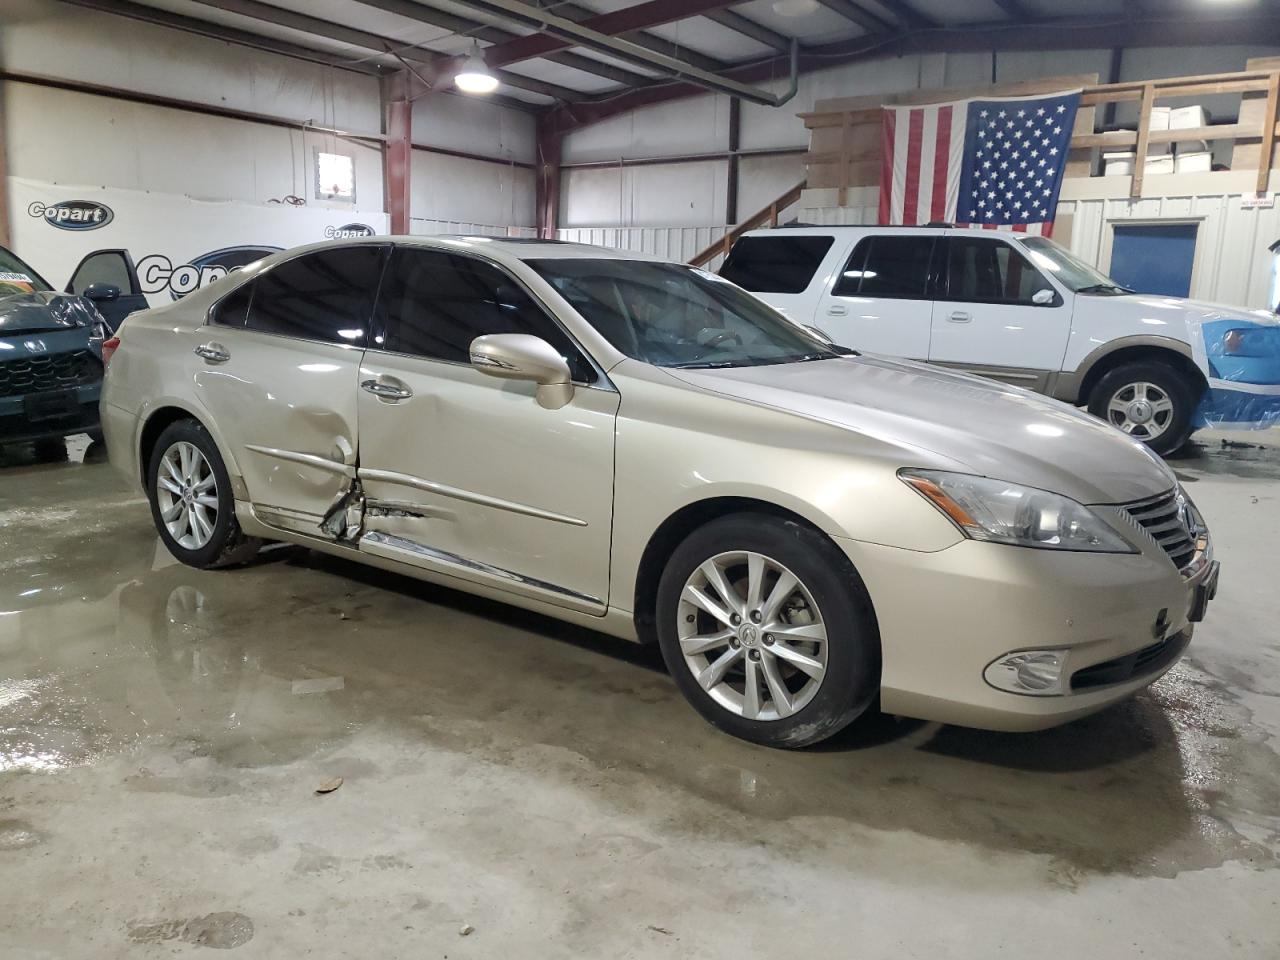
(519, 356)
(101, 292)
(1043, 298)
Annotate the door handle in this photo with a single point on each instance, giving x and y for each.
(959, 316)
(386, 391)
(837, 310)
(212, 352)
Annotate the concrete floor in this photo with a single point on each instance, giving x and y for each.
(163, 730)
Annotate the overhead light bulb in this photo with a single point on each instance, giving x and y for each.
(475, 75)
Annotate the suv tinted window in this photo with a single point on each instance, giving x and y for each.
(435, 303)
(990, 271)
(233, 309)
(784, 263)
(888, 266)
(326, 296)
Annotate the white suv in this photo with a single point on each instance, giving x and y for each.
(1003, 305)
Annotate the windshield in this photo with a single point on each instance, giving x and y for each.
(17, 277)
(1072, 272)
(675, 316)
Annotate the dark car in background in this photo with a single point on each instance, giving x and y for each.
(50, 355)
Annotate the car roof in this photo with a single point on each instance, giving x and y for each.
(816, 229)
(500, 248)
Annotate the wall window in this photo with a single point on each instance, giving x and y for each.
(436, 303)
(888, 266)
(335, 176)
(990, 271)
(326, 296)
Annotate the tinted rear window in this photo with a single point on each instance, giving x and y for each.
(326, 295)
(784, 263)
(895, 266)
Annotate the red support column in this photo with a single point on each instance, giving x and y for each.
(547, 178)
(398, 110)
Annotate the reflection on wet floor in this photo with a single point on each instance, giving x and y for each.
(108, 646)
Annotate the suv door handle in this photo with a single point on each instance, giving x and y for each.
(837, 310)
(212, 352)
(959, 316)
(386, 391)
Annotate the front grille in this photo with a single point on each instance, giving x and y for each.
(1132, 665)
(45, 372)
(1165, 518)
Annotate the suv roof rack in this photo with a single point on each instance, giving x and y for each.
(933, 225)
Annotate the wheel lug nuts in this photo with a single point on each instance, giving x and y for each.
(736, 619)
(734, 643)
(754, 654)
(768, 639)
(755, 616)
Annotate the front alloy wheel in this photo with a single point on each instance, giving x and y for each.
(752, 635)
(1141, 410)
(768, 630)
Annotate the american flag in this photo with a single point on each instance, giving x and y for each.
(980, 163)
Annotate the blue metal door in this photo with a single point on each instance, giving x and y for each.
(1154, 257)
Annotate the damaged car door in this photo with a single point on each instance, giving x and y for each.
(471, 476)
(278, 369)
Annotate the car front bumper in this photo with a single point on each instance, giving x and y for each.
(76, 412)
(1116, 621)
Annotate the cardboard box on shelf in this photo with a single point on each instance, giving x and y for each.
(1193, 161)
(1161, 164)
(1118, 163)
(1187, 118)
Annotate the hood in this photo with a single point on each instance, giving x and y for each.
(1172, 317)
(44, 311)
(969, 424)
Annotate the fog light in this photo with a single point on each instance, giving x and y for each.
(1035, 673)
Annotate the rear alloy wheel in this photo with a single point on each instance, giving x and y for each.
(1150, 401)
(187, 494)
(191, 499)
(768, 630)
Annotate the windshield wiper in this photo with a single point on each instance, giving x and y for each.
(705, 364)
(1103, 288)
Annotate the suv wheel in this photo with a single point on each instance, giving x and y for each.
(191, 499)
(768, 631)
(1149, 400)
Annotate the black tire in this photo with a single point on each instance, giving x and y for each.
(851, 681)
(227, 544)
(1174, 383)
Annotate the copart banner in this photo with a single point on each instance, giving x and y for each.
(176, 244)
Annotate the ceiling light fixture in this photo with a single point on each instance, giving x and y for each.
(475, 75)
(795, 8)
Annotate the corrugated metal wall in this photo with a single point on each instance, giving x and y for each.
(1233, 264)
(675, 243)
(430, 228)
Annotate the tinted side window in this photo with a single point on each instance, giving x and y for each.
(233, 309)
(888, 266)
(989, 271)
(435, 303)
(784, 263)
(326, 296)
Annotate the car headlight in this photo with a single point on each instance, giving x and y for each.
(1001, 512)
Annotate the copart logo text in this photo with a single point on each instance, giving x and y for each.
(73, 214)
(348, 231)
(157, 273)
